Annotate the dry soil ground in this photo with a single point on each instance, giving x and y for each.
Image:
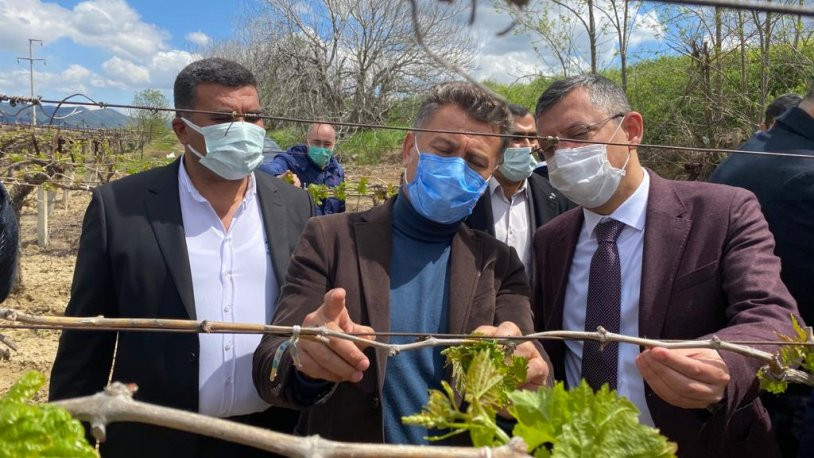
(47, 272)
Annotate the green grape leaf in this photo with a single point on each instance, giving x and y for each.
(361, 187)
(340, 191)
(770, 383)
(30, 430)
(559, 423)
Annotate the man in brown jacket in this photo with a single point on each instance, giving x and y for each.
(660, 259)
(410, 266)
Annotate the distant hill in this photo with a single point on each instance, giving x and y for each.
(106, 118)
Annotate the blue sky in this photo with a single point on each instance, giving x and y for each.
(107, 48)
(110, 49)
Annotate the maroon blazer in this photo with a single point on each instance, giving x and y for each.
(488, 285)
(707, 268)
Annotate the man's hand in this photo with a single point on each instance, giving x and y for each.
(691, 378)
(536, 370)
(290, 177)
(337, 360)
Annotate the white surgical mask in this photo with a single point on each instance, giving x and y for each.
(584, 174)
(233, 149)
(518, 164)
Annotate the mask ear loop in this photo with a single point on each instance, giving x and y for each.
(624, 167)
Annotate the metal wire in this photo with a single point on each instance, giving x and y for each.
(546, 140)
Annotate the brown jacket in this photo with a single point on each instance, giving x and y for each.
(488, 285)
(707, 268)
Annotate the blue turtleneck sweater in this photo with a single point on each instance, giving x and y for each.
(419, 302)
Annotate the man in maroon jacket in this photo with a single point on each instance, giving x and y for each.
(655, 258)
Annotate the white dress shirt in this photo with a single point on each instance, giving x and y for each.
(512, 219)
(630, 242)
(232, 281)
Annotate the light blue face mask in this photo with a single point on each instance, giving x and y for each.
(319, 155)
(445, 189)
(518, 164)
(233, 149)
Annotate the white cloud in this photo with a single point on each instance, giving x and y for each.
(107, 24)
(165, 65)
(126, 71)
(139, 54)
(198, 38)
(73, 79)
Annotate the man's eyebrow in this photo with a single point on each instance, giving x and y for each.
(447, 141)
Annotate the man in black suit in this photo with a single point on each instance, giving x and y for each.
(785, 188)
(518, 201)
(201, 238)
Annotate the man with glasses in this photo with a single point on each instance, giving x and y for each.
(311, 163)
(518, 201)
(203, 238)
(645, 256)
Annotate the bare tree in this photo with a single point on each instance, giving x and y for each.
(352, 60)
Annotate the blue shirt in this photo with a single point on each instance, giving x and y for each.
(297, 161)
(419, 302)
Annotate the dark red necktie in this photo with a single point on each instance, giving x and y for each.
(604, 306)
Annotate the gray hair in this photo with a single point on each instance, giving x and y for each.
(479, 104)
(603, 93)
(212, 70)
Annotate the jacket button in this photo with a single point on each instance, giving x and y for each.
(193, 357)
(374, 402)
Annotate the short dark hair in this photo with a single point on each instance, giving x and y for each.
(478, 103)
(518, 110)
(603, 93)
(211, 70)
(779, 106)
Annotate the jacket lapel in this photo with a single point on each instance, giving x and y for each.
(482, 218)
(164, 210)
(465, 257)
(665, 236)
(274, 222)
(544, 206)
(558, 266)
(374, 248)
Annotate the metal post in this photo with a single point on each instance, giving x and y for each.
(31, 60)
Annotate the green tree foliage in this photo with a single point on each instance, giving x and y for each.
(553, 422)
(34, 430)
(153, 123)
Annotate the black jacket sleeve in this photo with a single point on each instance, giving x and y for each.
(9, 243)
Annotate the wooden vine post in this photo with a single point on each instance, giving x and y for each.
(42, 216)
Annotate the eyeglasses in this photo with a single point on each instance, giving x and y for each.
(579, 132)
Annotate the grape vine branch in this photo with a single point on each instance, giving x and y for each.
(775, 368)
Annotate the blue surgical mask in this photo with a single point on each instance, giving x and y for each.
(445, 189)
(233, 149)
(518, 164)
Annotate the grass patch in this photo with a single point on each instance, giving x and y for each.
(370, 146)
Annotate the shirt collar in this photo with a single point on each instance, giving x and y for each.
(494, 186)
(632, 212)
(186, 186)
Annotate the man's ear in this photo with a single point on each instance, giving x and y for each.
(407, 148)
(181, 130)
(633, 125)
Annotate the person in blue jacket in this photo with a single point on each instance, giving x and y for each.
(312, 163)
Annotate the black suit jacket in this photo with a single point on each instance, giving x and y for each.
(133, 262)
(547, 203)
(785, 189)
